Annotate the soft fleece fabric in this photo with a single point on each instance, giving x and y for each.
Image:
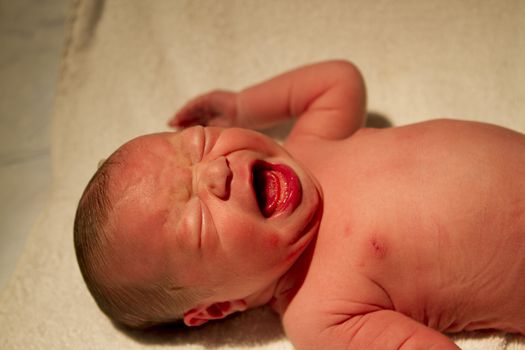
(128, 65)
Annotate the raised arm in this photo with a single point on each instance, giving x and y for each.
(328, 98)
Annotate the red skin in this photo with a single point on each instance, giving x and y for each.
(423, 227)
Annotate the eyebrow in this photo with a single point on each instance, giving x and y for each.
(182, 188)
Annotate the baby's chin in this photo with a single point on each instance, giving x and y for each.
(311, 220)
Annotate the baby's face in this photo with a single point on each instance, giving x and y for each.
(224, 209)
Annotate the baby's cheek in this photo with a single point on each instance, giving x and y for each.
(273, 240)
(269, 249)
(259, 245)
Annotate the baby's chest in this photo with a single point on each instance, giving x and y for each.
(396, 223)
(415, 264)
(375, 251)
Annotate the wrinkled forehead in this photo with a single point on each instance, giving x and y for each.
(153, 149)
(151, 171)
(146, 158)
(150, 180)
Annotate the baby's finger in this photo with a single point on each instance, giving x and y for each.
(186, 116)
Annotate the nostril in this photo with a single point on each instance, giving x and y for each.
(228, 175)
(227, 186)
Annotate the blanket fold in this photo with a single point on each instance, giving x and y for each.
(128, 65)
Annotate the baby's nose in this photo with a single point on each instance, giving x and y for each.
(215, 176)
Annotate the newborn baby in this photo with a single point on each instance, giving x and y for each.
(359, 238)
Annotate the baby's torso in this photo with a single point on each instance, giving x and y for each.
(427, 220)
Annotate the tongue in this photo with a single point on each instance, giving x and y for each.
(268, 186)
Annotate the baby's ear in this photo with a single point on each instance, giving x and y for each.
(207, 312)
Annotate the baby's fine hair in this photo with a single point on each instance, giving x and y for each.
(137, 307)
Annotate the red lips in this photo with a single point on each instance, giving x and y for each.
(276, 186)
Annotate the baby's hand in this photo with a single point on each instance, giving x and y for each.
(215, 108)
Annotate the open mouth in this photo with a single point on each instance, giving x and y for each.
(276, 186)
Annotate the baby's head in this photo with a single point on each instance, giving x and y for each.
(193, 225)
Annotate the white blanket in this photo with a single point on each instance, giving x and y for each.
(129, 64)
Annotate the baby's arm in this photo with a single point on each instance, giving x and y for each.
(381, 330)
(328, 98)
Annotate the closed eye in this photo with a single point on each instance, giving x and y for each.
(199, 229)
(208, 229)
(193, 221)
(211, 135)
(200, 141)
(194, 143)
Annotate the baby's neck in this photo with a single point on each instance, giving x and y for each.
(280, 293)
(291, 281)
